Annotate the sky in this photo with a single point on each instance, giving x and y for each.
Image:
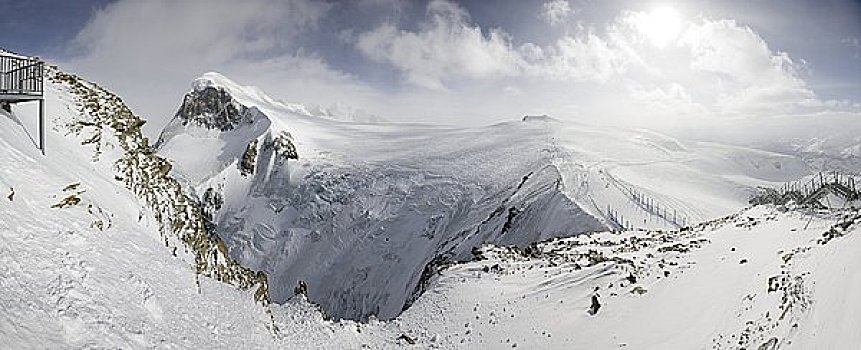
(632, 63)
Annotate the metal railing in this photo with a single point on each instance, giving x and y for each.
(21, 75)
(651, 206)
(810, 190)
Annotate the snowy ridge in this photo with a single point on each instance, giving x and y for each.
(364, 211)
(764, 278)
(348, 232)
(487, 234)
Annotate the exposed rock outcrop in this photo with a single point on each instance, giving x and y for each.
(104, 117)
(249, 158)
(213, 107)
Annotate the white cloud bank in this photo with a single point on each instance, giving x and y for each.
(150, 51)
(447, 47)
(693, 67)
(452, 70)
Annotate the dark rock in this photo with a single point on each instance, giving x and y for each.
(593, 309)
(284, 147)
(301, 289)
(407, 339)
(67, 202)
(631, 279)
(771, 344)
(249, 159)
(213, 107)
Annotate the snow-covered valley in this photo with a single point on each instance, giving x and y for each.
(402, 234)
(360, 212)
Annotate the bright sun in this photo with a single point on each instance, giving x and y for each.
(661, 26)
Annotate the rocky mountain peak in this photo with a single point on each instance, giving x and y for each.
(211, 106)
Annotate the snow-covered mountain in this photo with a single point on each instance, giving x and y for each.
(826, 141)
(100, 247)
(340, 111)
(362, 213)
(498, 236)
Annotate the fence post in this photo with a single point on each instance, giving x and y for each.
(42, 125)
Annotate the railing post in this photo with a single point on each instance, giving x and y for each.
(42, 125)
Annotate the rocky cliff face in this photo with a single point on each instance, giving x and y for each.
(212, 107)
(106, 121)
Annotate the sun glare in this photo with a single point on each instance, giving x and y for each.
(661, 26)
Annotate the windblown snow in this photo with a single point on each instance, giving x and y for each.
(533, 233)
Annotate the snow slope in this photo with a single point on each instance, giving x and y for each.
(363, 212)
(84, 262)
(764, 278)
(96, 273)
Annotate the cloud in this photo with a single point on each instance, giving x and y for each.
(712, 67)
(670, 99)
(556, 11)
(217, 30)
(149, 51)
(751, 77)
(448, 47)
(583, 57)
(441, 66)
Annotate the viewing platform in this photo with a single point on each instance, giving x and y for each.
(22, 80)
